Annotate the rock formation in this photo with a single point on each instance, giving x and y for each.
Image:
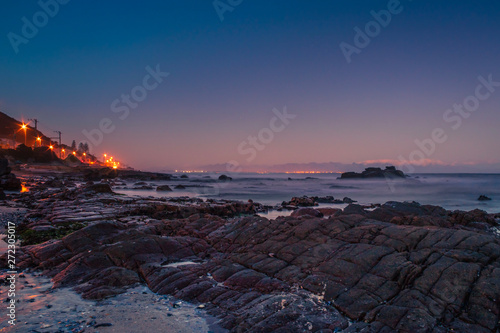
(401, 267)
(388, 172)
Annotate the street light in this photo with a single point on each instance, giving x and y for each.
(23, 126)
(39, 139)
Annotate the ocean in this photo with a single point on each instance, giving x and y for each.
(451, 191)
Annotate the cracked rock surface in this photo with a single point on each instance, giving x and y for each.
(402, 267)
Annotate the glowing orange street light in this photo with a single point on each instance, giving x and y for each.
(74, 153)
(23, 126)
(51, 147)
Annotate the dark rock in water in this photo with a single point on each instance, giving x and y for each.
(388, 172)
(306, 201)
(184, 176)
(483, 198)
(100, 188)
(307, 211)
(143, 187)
(163, 188)
(225, 178)
(2, 195)
(348, 200)
(327, 199)
(180, 187)
(140, 184)
(300, 202)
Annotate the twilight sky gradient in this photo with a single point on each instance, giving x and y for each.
(227, 76)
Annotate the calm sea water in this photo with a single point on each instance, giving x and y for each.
(451, 191)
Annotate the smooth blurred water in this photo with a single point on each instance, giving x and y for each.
(451, 191)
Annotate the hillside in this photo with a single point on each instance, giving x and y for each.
(12, 139)
(10, 131)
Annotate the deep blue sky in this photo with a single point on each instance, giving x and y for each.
(226, 78)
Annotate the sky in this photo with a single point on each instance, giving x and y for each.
(194, 84)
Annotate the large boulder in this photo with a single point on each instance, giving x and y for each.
(163, 188)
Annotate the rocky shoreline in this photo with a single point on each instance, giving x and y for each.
(397, 267)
